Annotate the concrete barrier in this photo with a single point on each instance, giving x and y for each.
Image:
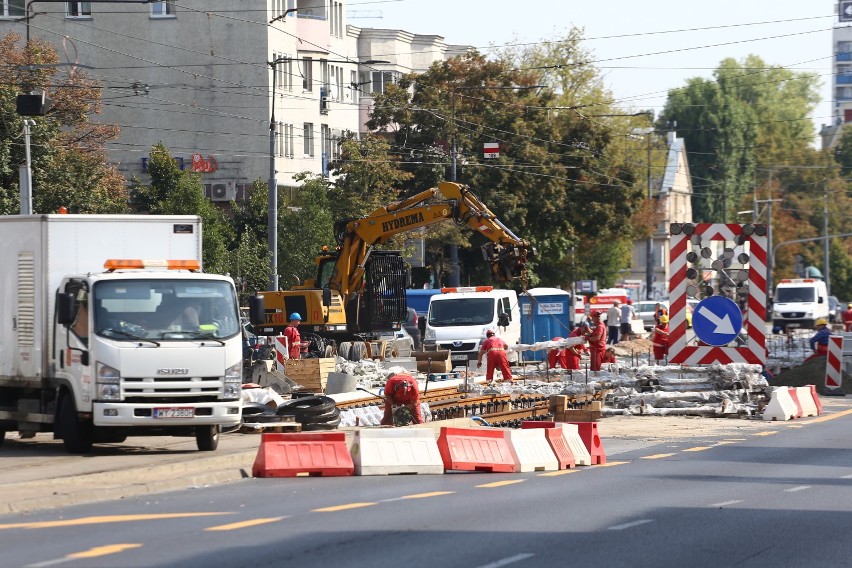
(476, 449)
(389, 451)
(532, 451)
(781, 406)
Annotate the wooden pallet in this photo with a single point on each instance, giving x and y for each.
(261, 427)
(312, 374)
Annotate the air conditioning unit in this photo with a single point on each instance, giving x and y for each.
(223, 191)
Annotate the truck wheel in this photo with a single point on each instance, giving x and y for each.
(77, 436)
(207, 438)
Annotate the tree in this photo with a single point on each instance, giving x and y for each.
(176, 192)
(68, 155)
(749, 115)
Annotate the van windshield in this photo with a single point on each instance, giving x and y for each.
(461, 311)
(803, 294)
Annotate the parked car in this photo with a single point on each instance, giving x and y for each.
(410, 325)
(645, 312)
(835, 310)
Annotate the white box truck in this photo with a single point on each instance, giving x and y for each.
(799, 302)
(459, 317)
(99, 342)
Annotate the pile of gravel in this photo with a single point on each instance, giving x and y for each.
(809, 373)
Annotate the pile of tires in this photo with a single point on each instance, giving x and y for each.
(312, 412)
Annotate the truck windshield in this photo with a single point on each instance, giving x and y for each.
(128, 310)
(461, 311)
(799, 294)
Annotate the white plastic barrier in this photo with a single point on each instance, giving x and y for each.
(806, 401)
(572, 437)
(531, 450)
(388, 451)
(781, 406)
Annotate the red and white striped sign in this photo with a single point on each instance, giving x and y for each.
(755, 323)
(834, 362)
(491, 149)
(282, 348)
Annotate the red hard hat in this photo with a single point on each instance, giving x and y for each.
(489, 333)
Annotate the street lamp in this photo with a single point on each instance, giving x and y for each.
(455, 273)
(272, 198)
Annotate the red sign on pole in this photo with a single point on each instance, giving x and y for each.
(492, 149)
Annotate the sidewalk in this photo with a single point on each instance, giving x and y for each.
(38, 474)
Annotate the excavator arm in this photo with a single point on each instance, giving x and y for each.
(506, 253)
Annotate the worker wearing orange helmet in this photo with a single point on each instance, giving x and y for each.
(494, 349)
(661, 338)
(402, 393)
(596, 336)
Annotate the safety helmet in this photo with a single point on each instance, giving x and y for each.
(295, 316)
(849, 305)
(489, 333)
(664, 318)
(821, 321)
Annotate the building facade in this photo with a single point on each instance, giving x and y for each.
(841, 76)
(238, 92)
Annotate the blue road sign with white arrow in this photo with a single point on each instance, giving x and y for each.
(717, 320)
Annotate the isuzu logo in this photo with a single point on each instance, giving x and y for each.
(176, 371)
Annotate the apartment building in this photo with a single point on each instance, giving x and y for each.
(236, 91)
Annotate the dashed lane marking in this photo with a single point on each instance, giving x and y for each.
(508, 560)
(798, 488)
(697, 449)
(501, 483)
(245, 524)
(610, 464)
(847, 476)
(657, 456)
(91, 553)
(343, 507)
(767, 433)
(105, 519)
(725, 503)
(559, 472)
(828, 417)
(630, 525)
(425, 495)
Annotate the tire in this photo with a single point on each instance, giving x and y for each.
(329, 351)
(359, 349)
(77, 436)
(207, 438)
(323, 426)
(310, 405)
(318, 419)
(343, 349)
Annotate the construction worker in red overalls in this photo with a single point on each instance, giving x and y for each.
(573, 352)
(402, 401)
(494, 349)
(557, 356)
(847, 318)
(596, 336)
(661, 338)
(294, 338)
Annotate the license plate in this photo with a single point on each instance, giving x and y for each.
(791, 325)
(461, 357)
(174, 413)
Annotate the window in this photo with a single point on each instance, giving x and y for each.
(79, 9)
(12, 8)
(307, 74)
(381, 79)
(308, 136)
(162, 9)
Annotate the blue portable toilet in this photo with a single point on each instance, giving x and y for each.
(418, 299)
(545, 314)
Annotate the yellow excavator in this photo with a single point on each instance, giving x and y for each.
(359, 290)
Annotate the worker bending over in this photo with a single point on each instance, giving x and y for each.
(402, 401)
(494, 349)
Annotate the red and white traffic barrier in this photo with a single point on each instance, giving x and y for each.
(781, 405)
(834, 362)
(282, 348)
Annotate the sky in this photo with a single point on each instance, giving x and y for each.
(642, 48)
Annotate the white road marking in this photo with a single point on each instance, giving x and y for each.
(509, 560)
(847, 476)
(629, 525)
(725, 503)
(799, 488)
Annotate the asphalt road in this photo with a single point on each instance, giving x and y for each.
(773, 494)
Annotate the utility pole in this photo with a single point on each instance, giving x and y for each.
(826, 263)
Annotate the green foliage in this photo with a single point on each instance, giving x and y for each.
(68, 156)
(303, 230)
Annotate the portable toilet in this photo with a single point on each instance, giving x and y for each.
(545, 313)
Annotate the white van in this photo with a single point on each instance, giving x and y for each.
(459, 317)
(799, 302)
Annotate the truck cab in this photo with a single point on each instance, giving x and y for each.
(459, 317)
(799, 302)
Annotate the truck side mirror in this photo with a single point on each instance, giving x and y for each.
(503, 320)
(821, 300)
(64, 308)
(421, 324)
(326, 296)
(257, 312)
